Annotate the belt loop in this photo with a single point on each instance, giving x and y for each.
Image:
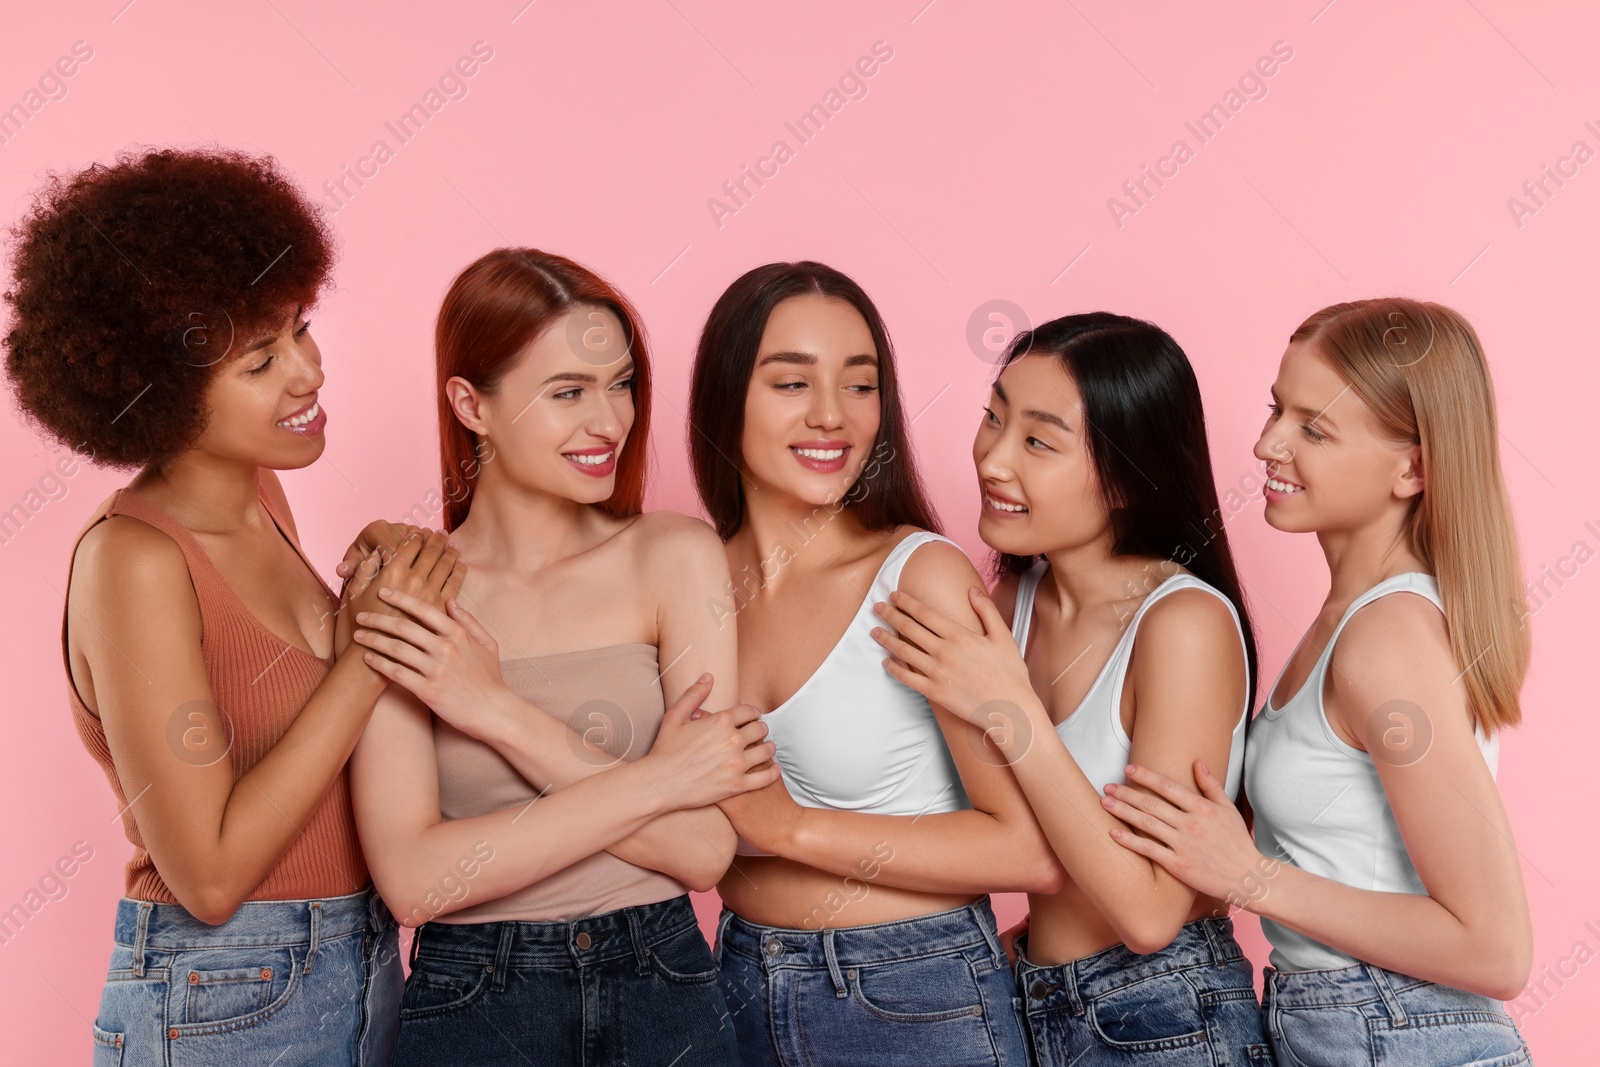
(1069, 984)
(316, 933)
(1219, 952)
(1391, 1000)
(840, 990)
(716, 942)
(998, 953)
(416, 946)
(641, 955)
(141, 931)
(501, 966)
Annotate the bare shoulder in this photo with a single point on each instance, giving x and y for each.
(658, 537)
(130, 573)
(1395, 648)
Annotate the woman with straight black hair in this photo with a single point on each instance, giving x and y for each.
(1097, 496)
(856, 926)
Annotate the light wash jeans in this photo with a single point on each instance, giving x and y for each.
(1371, 1017)
(283, 983)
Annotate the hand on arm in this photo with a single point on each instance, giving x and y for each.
(1471, 928)
(995, 846)
(213, 839)
(1188, 680)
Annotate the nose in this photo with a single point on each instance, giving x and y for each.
(606, 419)
(1273, 445)
(991, 457)
(825, 412)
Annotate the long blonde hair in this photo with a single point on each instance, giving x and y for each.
(1420, 368)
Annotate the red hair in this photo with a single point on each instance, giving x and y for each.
(495, 309)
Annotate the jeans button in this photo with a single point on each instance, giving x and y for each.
(774, 946)
(584, 940)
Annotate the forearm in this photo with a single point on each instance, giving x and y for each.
(967, 851)
(270, 802)
(693, 846)
(1407, 932)
(529, 842)
(1143, 903)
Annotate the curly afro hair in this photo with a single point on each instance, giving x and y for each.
(132, 282)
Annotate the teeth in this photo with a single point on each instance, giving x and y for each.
(301, 420)
(590, 461)
(820, 453)
(1001, 505)
(1283, 487)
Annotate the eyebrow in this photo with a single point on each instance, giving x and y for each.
(860, 359)
(1311, 414)
(582, 376)
(258, 345)
(1032, 413)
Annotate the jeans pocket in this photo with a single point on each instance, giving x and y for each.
(227, 989)
(683, 958)
(440, 986)
(1150, 1015)
(107, 1047)
(931, 989)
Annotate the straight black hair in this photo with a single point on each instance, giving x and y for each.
(888, 493)
(1146, 433)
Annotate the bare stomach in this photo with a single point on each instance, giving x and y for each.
(772, 891)
(1067, 926)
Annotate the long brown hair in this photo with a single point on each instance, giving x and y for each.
(888, 493)
(494, 310)
(1421, 370)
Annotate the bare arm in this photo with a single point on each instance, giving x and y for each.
(995, 846)
(1471, 928)
(412, 848)
(212, 838)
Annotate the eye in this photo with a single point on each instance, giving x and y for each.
(623, 383)
(1275, 408)
(263, 365)
(1035, 441)
(863, 389)
(789, 385)
(568, 394)
(304, 326)
(990, 417)
(1313, 435)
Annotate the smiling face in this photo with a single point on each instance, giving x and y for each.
(1037, 484)
(1328, 466)
(262, 399)
(812, 410)
(560, 417)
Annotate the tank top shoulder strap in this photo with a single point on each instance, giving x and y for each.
(1408, 582)
(1022, 609)
(895, 562)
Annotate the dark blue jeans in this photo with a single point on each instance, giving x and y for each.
(1192, 1004)
(633, 986)
(930, 991)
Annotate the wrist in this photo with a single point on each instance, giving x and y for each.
(1031, 720)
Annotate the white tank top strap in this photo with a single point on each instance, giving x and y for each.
(1022, 610)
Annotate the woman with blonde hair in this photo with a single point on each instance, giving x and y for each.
(1386, 879)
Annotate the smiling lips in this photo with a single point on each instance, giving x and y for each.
(1279, 489)
(825, 457)
(595, 462)
(307, 421)
(1000, 506)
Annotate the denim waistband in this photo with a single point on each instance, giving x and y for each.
(591, 939)
(1201, 942)
(901, 939)
(154, 926)
(1365, 983)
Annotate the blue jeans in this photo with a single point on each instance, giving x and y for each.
(283, 983)
(1372, 1017)
(632, 986)
(1192, 1003)
(920, 992)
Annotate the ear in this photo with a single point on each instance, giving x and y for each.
(465, 402)
(1410, 482)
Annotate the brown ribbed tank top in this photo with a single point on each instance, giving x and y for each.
(260, 682)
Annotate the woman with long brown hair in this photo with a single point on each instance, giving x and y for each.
(540, 818)
(857, 925)
(1383, 867)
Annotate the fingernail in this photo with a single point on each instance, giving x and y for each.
(384, 592)
(362, 616)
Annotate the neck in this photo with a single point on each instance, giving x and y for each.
(1087, 575)
(205, 492)
(522, 528)
(1361, 557)
(815, 535)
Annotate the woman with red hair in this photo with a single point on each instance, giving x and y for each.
(542, 824)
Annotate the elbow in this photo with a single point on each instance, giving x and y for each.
(1145, 933)
(1507, 972)
(1048, 877)
(212, 903)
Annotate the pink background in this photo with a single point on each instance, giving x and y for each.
(977, 166)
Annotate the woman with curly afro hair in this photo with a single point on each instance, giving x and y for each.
(158, 325)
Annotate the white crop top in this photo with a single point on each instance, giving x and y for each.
(853, 738)
(1318, 801)
(1093, 733)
